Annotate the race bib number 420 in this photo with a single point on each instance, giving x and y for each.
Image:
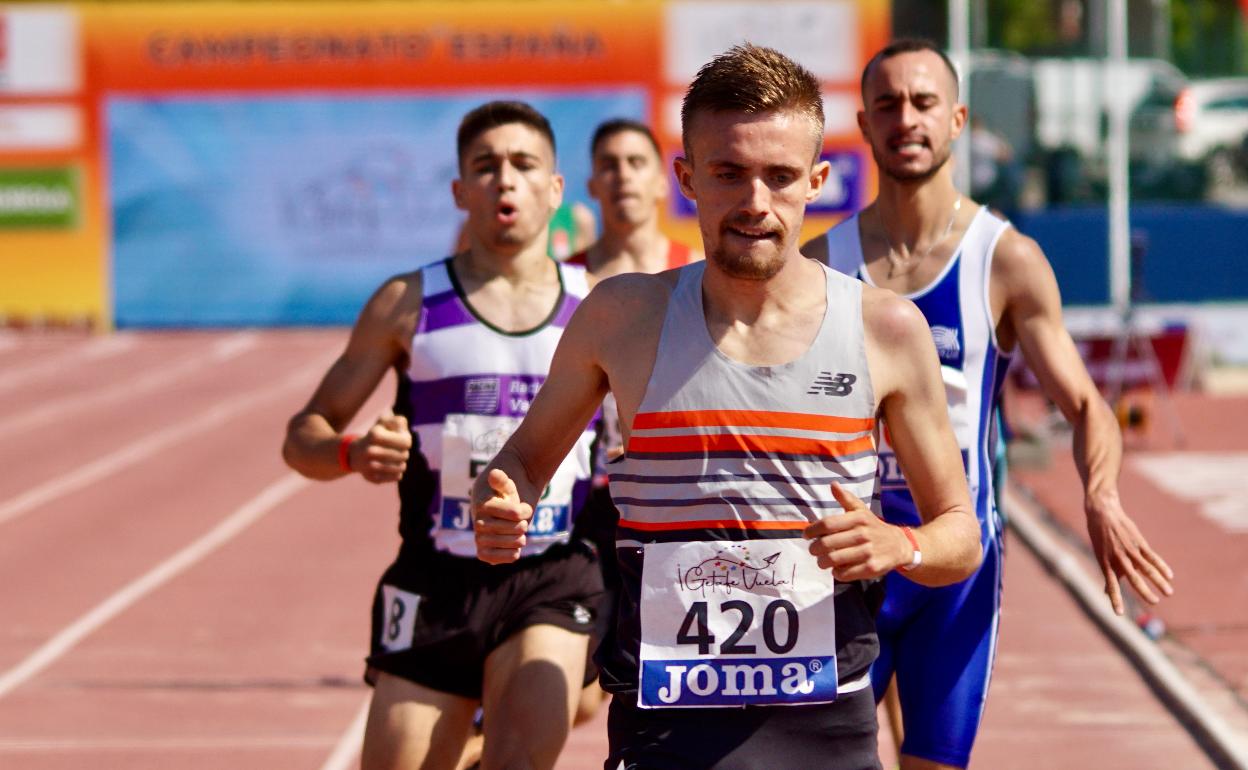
(734, 624)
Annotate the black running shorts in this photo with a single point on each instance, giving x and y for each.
(436, 617)
(830, 736)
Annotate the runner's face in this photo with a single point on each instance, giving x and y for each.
(751, 177)
(508, 187)
(628, 179)
(911, 116)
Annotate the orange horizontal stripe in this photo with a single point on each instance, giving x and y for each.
(655, 526)
(712, 418)
(740, 442)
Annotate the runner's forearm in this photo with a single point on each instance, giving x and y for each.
(1097, 450)
(312, 447)
(951, 549)
(509, 461)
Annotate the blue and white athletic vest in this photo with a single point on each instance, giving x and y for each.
(465, 390)
(972, 365)
(722, 604)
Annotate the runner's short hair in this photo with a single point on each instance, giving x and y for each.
(908, 45)
(610, 128)
(500, 113)
(754, 80)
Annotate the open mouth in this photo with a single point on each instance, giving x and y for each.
(753, 233)
(506, 214)
(908, 146)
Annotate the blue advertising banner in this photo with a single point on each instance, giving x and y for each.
(292, 209)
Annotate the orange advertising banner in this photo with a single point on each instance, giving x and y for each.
(228, 46)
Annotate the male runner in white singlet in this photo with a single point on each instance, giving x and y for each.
(985, 291)
(471, 338)
(749, 386)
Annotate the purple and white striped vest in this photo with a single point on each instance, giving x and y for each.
(465, 390)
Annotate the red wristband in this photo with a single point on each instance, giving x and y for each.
(344, 451)
(914, 543)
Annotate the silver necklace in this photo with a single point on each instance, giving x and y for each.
(895, 262)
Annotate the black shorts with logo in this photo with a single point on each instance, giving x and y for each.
(436, 617)
(595, 524)
(827, 736)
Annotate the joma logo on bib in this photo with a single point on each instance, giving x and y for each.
(739, 682)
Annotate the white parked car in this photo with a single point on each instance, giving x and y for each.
(1192, 125)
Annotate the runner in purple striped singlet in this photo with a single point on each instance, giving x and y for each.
(748, 388)
(471, 339)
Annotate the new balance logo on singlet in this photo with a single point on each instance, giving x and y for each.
(840, 384)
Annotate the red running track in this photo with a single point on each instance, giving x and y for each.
(174, 596)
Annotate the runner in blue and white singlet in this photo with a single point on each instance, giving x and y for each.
(946, 684)
(972, 366)
(985, 291)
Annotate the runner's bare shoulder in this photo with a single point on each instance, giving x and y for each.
(1019, 265)
(627, 300)
(890, 318)
(392, 312)
(899, 343)
(622, 318)
(618, 327)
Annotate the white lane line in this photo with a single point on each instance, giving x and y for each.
(137, 451)
(92, 350)
(61, 409)
(236, 343)
(1215, 483)
(347, 751)
(247, 514)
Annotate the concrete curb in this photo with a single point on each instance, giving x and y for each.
(1220, 742)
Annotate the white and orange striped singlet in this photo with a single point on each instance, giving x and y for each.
(722, 603)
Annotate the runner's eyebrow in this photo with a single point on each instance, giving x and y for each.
(515, 155)
(892, 96)
(772, 169)
(782, 168)
(622, 156)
